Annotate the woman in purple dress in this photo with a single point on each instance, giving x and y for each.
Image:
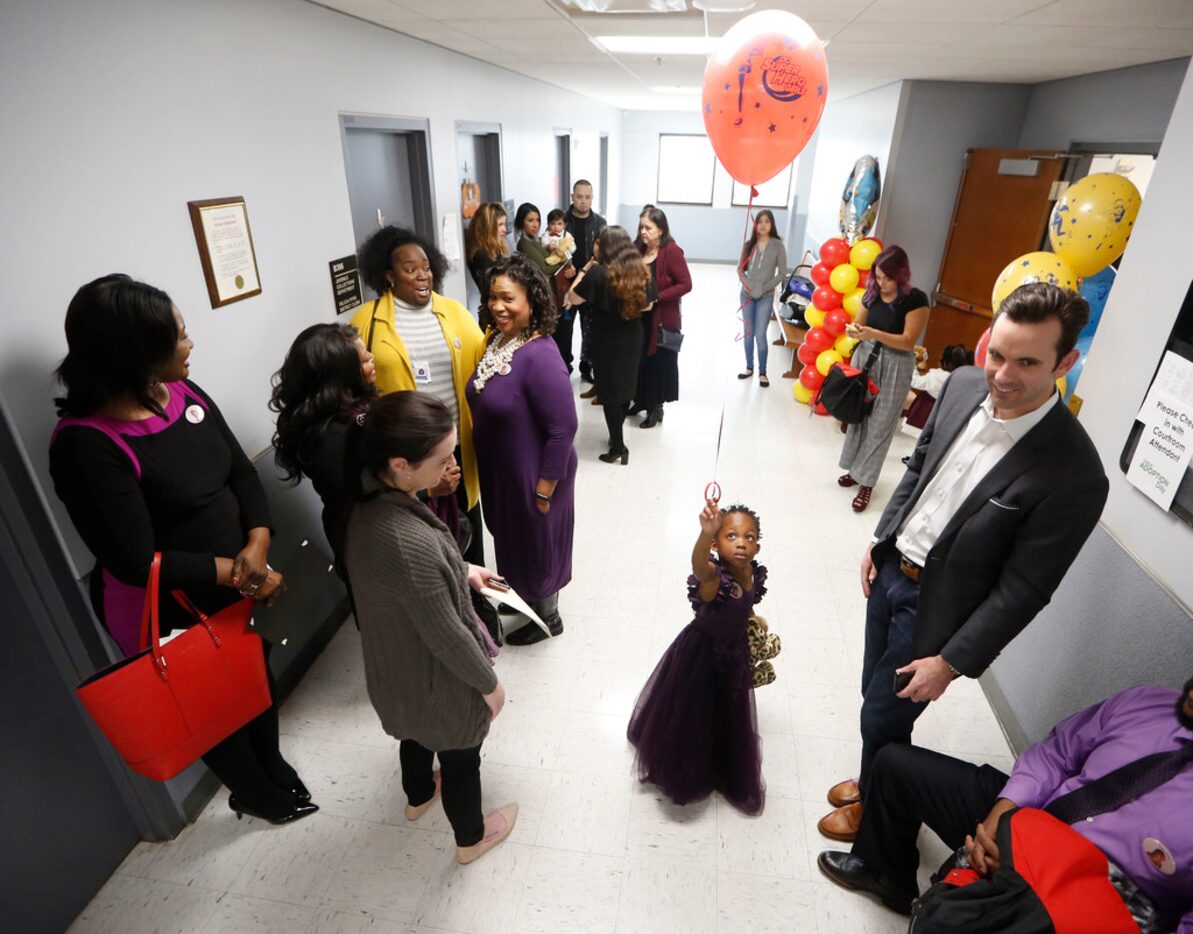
(523, 426)
(694, 725)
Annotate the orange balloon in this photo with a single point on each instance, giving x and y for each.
(764, 91)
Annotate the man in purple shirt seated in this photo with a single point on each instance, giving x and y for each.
(1150, 838)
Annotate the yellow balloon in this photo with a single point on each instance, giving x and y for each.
(844, 278)
(814, 316)
(852, 302)
(845, 346)
(826, 360)
(802, 393)
(1090, 224)
(863, 253)
(1032, 267)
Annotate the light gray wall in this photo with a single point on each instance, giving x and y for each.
(1123, 615)
(864, 125)
(941, 120)
(707, 233)
(1123, 105)
(116, 114)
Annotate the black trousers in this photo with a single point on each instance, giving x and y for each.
(460, 774)
(910, 786)
(615, 420)
(249, 763)
(563, 338)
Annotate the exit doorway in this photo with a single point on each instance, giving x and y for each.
(387, 161)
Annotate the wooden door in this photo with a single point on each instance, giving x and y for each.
(1002, 209)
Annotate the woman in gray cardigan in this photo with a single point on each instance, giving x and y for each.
(427, 663)
(763, 266)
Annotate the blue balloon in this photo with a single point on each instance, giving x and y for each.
(1094, 289)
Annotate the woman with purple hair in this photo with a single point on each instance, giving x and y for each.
(892, 318)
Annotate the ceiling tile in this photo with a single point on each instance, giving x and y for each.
(1156, 14)
(948, 11)
(545, 29)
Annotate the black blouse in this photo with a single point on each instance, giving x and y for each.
(892, 316)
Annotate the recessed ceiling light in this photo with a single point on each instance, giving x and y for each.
(658, 45)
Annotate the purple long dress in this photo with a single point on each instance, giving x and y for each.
(694, 725)
(523, 425)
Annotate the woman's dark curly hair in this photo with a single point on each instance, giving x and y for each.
(118, 333)
(320, 380)
(376, 257)
(745, 511)
(517, 268)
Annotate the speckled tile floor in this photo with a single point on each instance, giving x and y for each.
(593, 851)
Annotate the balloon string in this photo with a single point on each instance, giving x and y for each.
(713, 489)
(746, 327)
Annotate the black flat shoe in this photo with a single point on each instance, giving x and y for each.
(850, 872)
(745, 375)
(613, 456)
(297, 812)
(531, 633)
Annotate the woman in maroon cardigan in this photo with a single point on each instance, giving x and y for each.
(658, 374)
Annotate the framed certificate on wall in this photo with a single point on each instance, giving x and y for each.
(226, 251)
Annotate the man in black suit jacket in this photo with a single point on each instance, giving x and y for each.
(1000, 494)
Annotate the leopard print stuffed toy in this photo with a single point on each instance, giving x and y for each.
(764, 645)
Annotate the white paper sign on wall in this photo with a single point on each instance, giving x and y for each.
(1162, 455)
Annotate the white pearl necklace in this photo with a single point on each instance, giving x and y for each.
(496, 360)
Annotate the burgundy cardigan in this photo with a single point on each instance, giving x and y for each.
(673, 281)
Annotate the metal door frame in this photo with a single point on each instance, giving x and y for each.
(418, 129)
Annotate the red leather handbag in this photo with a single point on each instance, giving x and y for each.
(167, 705)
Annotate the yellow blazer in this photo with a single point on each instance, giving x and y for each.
(395, 373)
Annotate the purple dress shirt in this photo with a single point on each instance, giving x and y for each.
(1150, 839)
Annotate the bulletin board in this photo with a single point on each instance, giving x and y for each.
(1180, 342)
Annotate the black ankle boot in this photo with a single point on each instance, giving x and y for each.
(655, 416)
(613, 456)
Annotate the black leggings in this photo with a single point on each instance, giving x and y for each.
(615, 420)
(460, 774)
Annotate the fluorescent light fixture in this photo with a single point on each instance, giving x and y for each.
(658, 45)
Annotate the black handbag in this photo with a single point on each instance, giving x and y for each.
(670, 340)
(848, 393)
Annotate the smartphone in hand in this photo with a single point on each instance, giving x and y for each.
(902, 679)
(499, 583)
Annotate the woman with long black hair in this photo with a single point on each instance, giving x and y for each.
(763, 266)
(327, 380)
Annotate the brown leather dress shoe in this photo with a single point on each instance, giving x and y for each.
(841, 824)
(589, 393)
(843, 793)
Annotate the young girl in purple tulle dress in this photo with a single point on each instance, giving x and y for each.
(694, 725)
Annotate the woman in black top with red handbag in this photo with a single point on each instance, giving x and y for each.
(145, 463)
(892, 317)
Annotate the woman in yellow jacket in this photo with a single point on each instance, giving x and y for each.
(424, 341)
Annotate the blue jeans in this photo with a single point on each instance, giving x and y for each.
(890, 638)
(756, 318)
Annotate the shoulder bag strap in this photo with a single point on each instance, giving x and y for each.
(150, 621)
(372, 324)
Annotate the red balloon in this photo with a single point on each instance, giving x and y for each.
(820, 274)
(819, 340)
(826, 298)
(806, 356)
(979, 352)
(863, 278)
(820, 409)
(811, 378)
(764, 91)
(835, 321)
(834, 252)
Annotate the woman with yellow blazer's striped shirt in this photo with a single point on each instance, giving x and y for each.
(424, 341)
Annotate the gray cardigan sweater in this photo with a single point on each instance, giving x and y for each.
(425, 666)
(768, 267)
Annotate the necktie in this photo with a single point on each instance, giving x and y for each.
(1122, 786)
